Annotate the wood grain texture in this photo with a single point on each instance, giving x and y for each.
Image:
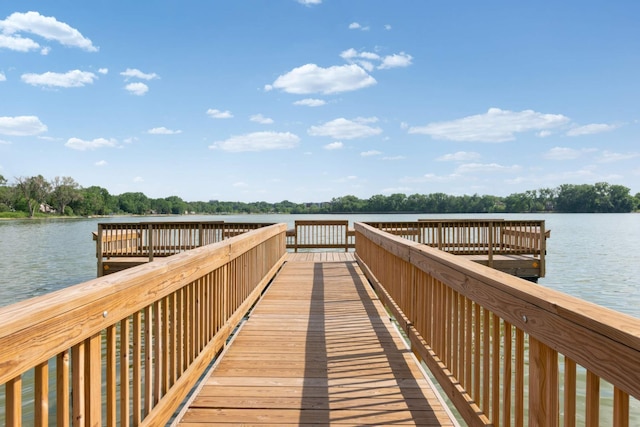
(319, 349)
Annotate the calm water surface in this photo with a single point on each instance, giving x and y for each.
(590, 256)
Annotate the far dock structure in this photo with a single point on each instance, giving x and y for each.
(242, 331)
(514, 247)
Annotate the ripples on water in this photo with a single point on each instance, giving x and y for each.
(591, 256)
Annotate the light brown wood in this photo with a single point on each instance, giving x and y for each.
(319, 348)
(606, 343)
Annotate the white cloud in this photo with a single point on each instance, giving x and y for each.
(495, 125)
(138, 88)
(367, 59)
(357, 26)
(217, 114)
(394, 158)
(163, 131)
(311, 78)
(370, 153)
(334, 146)
(240, 184)
(609, 157)
(3, 142)
(21, 126)
(258, 141)
(47, 27)
(73, 78)
(259, 118)
(82, 145)
(351, 54)
(309, 2)
(310, 102)
(138, 179)
(396, 60)
(101, 163)
(387, 27)
(485, 168)
(3, 78)
(460, 156)
(137, 74)
(590, 129)
(17, 43)
(562, 153)
(103, 71)
(346, 129)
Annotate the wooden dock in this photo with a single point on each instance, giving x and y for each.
(318, 349)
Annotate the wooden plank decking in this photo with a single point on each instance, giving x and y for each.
(318, 349)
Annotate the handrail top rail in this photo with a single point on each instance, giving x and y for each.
(612, 324)
(321, 221)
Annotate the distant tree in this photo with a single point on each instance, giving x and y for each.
(94, 200)
(35, 191)
(64, 190)
(134, 203)
(6, 195)
(621, 198)
(178, 206)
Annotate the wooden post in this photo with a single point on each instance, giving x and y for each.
(490, 243)
(543, 248)
(543, 385)
(150, 241)
(99, 250)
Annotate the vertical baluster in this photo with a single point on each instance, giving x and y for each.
(41, 397)
(519, 379)
(13, 391)
(136, 384)
(506, 374)
(543, 384)
(495, 370)
(592, 400)
(569, 393)
(125, 396)
(78, 387)
(63, 405)
(111, 376)
(620, 408)
(148, 363)
(93, 379)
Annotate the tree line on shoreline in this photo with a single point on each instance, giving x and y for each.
(36, 196)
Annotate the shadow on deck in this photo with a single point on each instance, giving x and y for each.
(318, 349)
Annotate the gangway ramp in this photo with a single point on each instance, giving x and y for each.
(318, 349)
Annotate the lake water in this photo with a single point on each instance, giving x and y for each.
(590, 256)
(595, 257)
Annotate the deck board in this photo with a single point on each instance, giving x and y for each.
(319, 349)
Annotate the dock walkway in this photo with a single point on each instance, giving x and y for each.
(318, 349)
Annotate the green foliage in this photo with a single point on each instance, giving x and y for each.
(24, 197)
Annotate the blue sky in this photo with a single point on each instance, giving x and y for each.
(306, 100)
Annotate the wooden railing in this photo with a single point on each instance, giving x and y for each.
(505, 352)
(321, 234)
(151, 239)
(476, 237)
(161, 239)
(127, 348)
